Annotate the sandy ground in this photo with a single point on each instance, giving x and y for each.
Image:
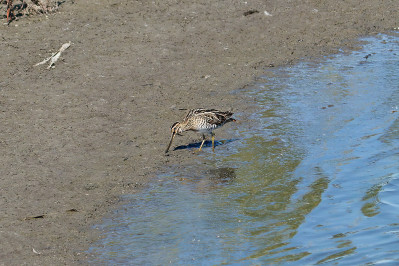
(76, 137)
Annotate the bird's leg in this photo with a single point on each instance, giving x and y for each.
(203, 140)
(213, 142)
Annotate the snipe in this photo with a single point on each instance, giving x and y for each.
(203, 121)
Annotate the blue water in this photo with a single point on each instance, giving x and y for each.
(312, 179)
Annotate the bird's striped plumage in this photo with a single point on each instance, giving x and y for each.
(203, 121)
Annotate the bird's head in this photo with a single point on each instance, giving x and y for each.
(176, 128)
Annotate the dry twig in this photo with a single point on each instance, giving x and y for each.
(55, 56)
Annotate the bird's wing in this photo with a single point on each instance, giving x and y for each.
(198, 111)
(211, 116)
(215, 117)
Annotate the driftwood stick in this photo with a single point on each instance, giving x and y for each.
(54, 56)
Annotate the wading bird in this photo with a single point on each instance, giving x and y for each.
(203, 121)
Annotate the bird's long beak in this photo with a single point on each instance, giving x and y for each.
(170, 143)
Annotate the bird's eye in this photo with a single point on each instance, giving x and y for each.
(174, 124)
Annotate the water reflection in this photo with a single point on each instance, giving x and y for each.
(207, 144)
(208, 180)
(312, 178)
(222, 175)
(370, 207)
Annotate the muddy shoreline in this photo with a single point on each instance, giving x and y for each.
(76, 137)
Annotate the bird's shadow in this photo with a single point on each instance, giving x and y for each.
(207, 144)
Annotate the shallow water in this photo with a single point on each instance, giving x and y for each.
(312, 178)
